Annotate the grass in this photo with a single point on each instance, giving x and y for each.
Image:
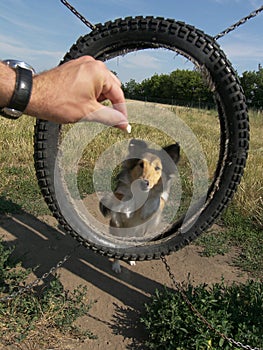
(18, 184)
(249, 198)
(43, 318)
(19, 189)
(40, 318)
(50, 312)
(236, 231)
(242, 232)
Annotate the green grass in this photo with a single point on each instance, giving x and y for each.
(236, 231)
(243, 233)
(43, 316)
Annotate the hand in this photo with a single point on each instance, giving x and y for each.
(73, 91)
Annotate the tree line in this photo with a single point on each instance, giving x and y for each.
(188, 88)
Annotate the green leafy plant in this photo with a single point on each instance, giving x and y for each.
(234, 310)
(11, 273)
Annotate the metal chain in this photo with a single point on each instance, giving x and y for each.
(76, 13)
(180, 288)
(216, 37)
(239, 23)
(25, 289)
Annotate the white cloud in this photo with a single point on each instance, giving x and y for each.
(143, 64)
(22, 51)
(16, 47)
(39, 58)
(243, 55)
(140, 60)
(242, 44)
(19, 23)
(238, 50)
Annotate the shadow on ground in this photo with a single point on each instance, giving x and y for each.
(42, 244)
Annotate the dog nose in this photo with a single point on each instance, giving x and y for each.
(146, 182)
(144, 185)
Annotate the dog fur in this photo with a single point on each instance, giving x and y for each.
(143, 187)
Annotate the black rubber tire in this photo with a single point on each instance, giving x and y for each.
(124, 35)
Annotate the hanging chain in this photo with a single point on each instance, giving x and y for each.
(76, 13)
(216, 37)
(239, 23)
(180, 288)
(25, 289)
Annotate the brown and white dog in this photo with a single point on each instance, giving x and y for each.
(143, 187)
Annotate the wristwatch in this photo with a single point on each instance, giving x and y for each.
(22, 92)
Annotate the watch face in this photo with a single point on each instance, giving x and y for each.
(22, 92)
(11, 113)
(16, 63)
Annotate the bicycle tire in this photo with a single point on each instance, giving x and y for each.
(134, 33)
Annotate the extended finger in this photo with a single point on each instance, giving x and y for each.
(108, 116)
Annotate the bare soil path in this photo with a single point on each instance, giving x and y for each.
(114, 317)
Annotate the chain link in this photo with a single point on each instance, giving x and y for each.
(239, 23)
(76, 13)
(180, 288)
(216, 37)
(25, 289)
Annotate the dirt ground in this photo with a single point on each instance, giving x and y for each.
(114, 317)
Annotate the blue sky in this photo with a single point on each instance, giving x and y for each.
(40, 32)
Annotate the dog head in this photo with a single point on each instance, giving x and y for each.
(149, 165)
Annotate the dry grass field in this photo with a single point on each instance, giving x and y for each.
(18, 183)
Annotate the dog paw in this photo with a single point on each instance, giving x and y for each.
(132, 263)
(116, 267)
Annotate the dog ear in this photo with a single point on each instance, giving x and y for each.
(136, 147)
(173, 151)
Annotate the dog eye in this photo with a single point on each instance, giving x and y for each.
(157, 168)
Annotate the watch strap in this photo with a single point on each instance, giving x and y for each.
(23, 88)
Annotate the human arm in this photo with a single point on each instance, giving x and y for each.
(7, 84)
(73, 91)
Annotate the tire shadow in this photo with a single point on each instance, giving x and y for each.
(40, 244)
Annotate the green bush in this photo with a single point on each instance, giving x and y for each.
(234, 310)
